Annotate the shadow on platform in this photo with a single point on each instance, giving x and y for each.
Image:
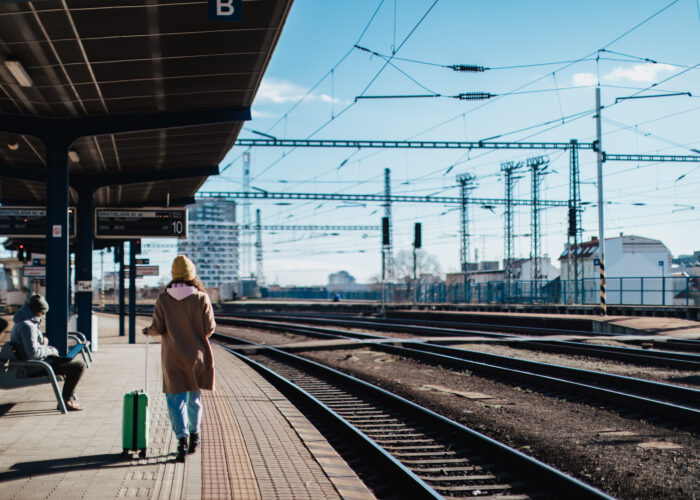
(22, 470)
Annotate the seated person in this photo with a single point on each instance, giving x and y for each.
(30, 343)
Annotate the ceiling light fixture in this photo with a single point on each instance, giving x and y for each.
(73, 156)
(18, 72)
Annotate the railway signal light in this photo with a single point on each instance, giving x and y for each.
(417, 235)
(385, 231)
(572, 222)
(24, 253)
(137, 246)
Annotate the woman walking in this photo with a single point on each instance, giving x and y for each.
(184, 318)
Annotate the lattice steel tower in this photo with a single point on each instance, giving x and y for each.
(387, 250)
(260, 278)
(575, 228)
(466, 185)
(246, 244)
(537, 166)
(509, 168)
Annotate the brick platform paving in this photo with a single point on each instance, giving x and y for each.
(256, 445)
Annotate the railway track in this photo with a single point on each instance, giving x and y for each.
(404, 450)
(661, 402)
(671, 359)
(667, 349)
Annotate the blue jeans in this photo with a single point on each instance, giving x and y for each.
(185, 410)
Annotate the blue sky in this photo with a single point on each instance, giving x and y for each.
(315, 75)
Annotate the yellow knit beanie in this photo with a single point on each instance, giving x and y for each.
(183, 269)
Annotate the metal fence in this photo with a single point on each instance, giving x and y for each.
(628, 291)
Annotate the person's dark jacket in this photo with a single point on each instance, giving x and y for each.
(27, 338)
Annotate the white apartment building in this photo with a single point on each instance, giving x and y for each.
(213, 243)
(634, 268)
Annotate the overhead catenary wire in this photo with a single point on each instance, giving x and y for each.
(463, 114)
(408, 36)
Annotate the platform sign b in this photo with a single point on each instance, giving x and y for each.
(225, 10)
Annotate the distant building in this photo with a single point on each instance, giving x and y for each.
(213, 244)
(343, 282)
(686, 279)
(634, 268)
(687, 261)
(340, 278)
(524, 269)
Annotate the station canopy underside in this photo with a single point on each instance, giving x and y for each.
(128, 57)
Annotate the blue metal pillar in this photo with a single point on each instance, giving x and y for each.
(57, 237)
(58, 134)
(132, 292)
(120, 248)
(83, 261)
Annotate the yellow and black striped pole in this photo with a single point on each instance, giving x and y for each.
(603, 306)
(102, 299)
(598, 148)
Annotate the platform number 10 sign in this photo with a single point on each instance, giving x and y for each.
(178, 227)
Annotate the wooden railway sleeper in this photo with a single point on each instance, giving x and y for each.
(436, 453)
(385, 442)
(446, 470)
(423, 447)
(436, 479)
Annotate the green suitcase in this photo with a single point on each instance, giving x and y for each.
(135, 419)
(135, 423)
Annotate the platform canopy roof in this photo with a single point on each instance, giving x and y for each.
(97, 58)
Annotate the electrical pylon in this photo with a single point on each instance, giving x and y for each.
(466, 185)
(509, 168)
(387, 250)
(246, 268)
(538, 166)
(575, 228)
(258, 248)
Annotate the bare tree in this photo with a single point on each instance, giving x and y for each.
(425, 264)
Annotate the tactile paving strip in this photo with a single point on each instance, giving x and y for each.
(215, 478)
(291, 459)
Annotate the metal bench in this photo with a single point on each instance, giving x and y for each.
(84, 344)
(13, 372)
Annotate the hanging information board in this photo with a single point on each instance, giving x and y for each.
(29, 222)
(131, 223)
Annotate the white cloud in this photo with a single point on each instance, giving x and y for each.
(278, 91)
(281, 92)
(584, 79)
(644, 73)
(260, 114)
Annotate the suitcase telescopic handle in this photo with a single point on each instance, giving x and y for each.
(146, 383)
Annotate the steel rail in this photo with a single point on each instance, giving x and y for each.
(397, 474)
(635, 355)
(542, 475)
(567, 379)
(670, 359)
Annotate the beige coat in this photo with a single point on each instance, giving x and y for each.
(186, 356)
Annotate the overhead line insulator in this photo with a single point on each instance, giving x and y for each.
(474, 96)
(467, 67)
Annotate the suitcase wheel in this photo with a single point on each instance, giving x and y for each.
(142, 453)
(125, 453)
